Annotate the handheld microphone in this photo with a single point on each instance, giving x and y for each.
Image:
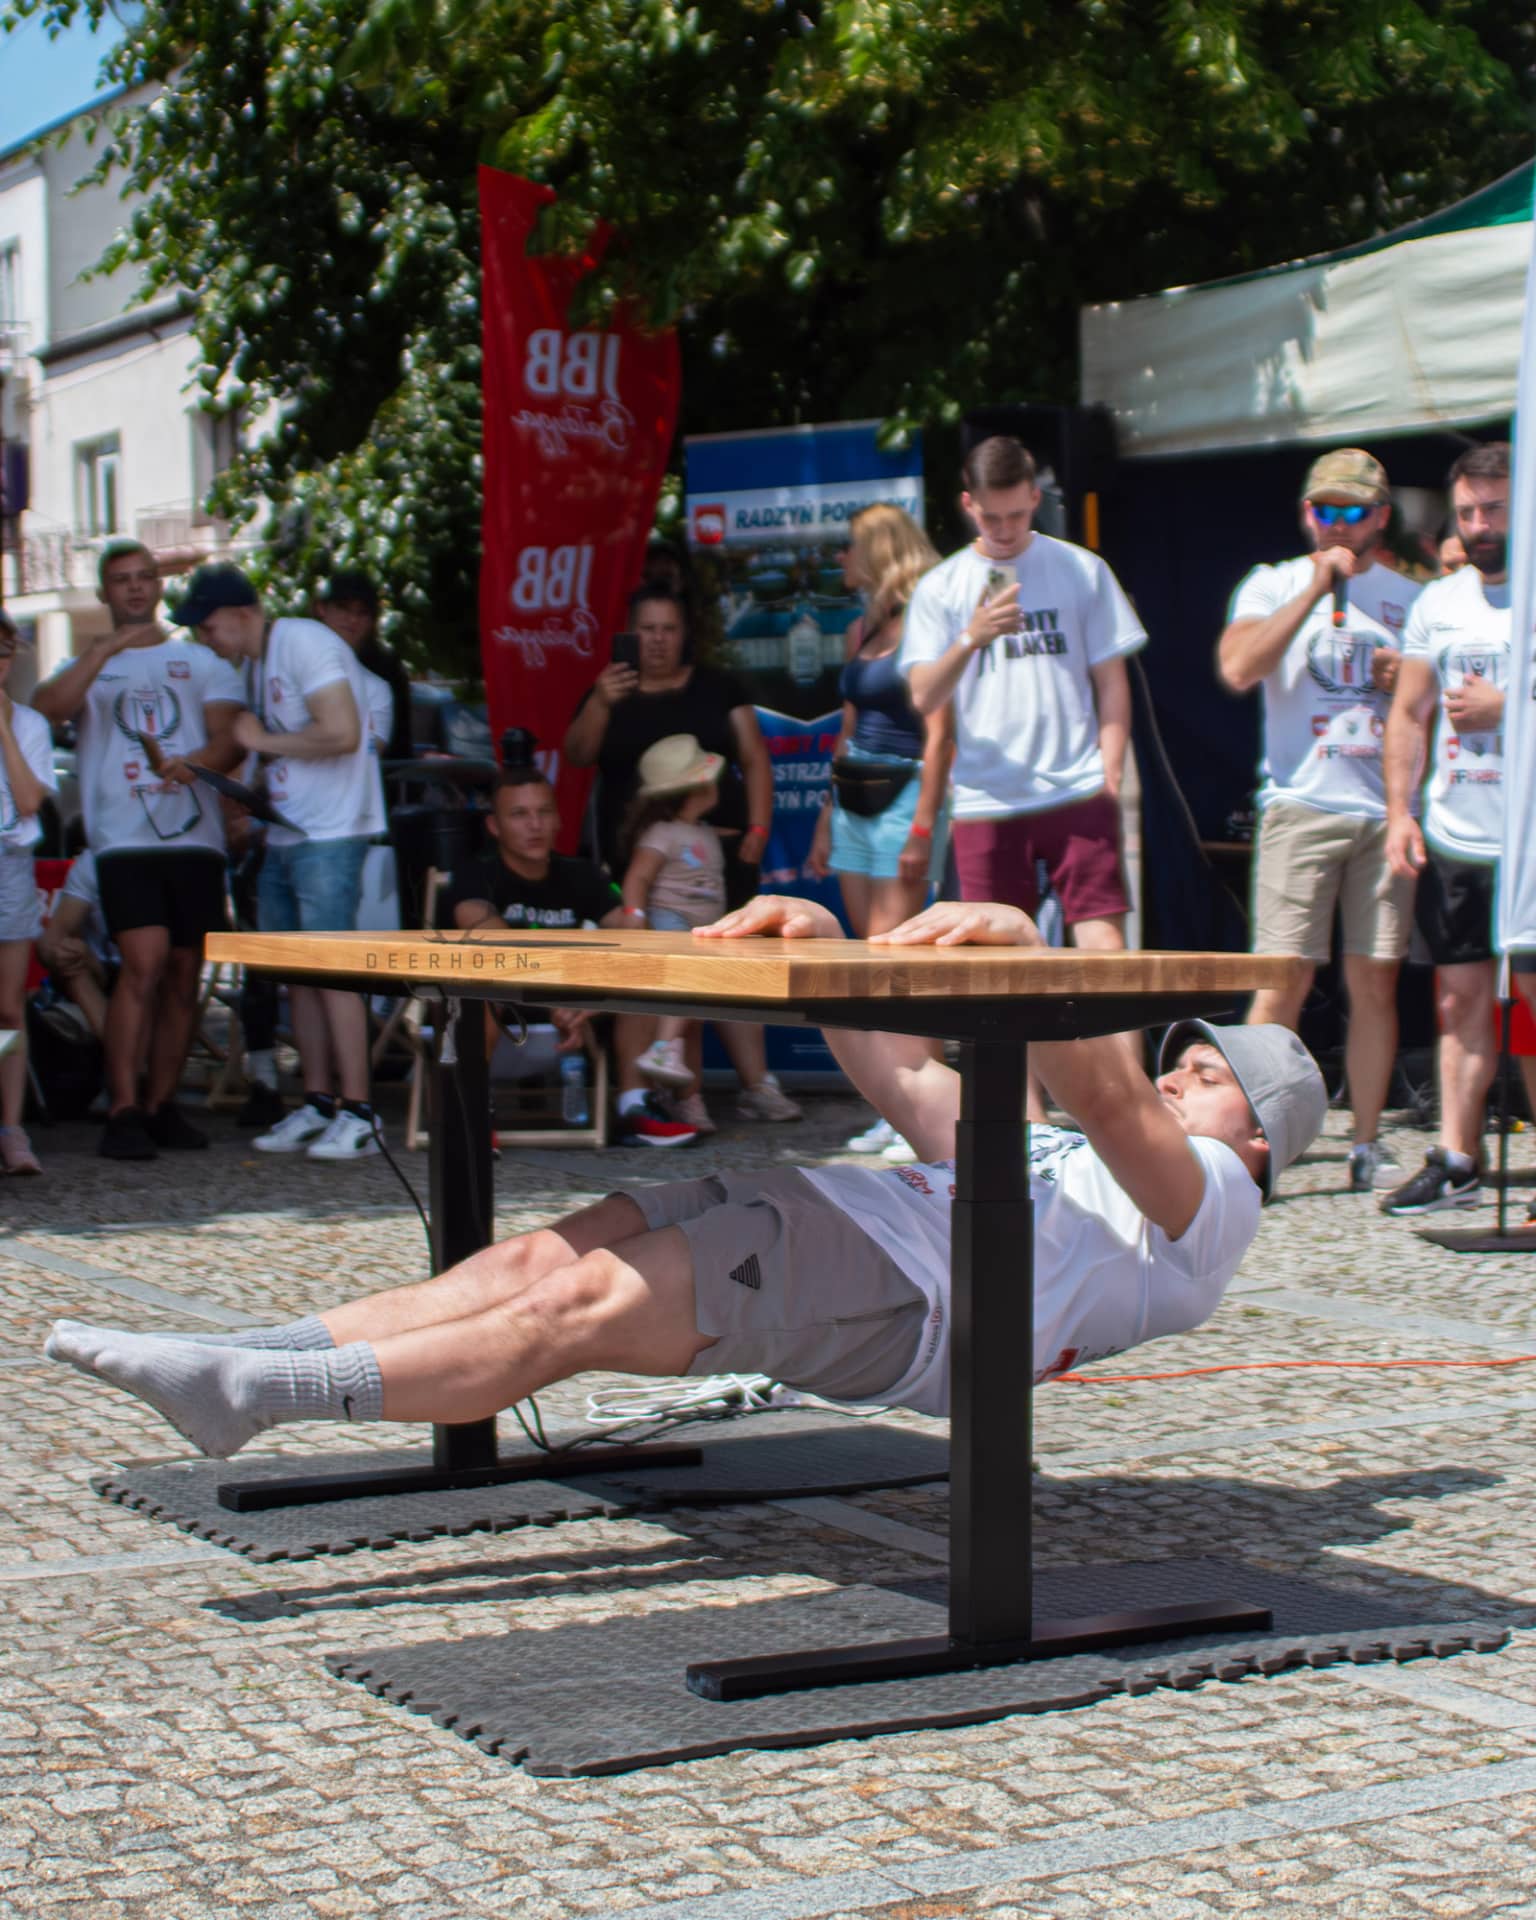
(1340, 599)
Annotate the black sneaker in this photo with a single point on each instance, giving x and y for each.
(1434, 1187)
(263, 1107)
(125, 1137)
(169, 1127)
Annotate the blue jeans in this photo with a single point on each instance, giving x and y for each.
(313, 886)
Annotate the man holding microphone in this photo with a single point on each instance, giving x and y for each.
(1320, 635)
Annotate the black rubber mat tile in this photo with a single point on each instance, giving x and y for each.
(770, 1455)
(609, 1697)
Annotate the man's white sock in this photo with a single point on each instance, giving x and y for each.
(220, 1397)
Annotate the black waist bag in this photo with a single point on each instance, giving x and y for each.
(868, 787)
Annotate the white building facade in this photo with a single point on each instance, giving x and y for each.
(103, 437)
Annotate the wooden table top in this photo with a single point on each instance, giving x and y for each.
(791, 972)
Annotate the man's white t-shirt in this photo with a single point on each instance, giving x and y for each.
(1026, 730)
(1323, 719)
(82, 883)
(159, 692)
(19, 831)
(1461, 626)
(342, 796)
(1105, 1277)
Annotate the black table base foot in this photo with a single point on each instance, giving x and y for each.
(258, 1496)
(752, 1677)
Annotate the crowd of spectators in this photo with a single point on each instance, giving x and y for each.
(984, 733)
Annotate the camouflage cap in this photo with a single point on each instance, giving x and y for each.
(1351, 475)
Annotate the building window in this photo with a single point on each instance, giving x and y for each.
(215, 442)
(98, 485)
(10, 285)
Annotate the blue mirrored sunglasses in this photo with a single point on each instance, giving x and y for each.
(1329, 515)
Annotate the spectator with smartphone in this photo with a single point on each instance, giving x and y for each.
(1026, 637)
(1321, 635)
(626, 712)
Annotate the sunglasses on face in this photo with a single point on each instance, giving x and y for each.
(1328, 515)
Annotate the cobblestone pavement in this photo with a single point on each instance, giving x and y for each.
(171, 1745)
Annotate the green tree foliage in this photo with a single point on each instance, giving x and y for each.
(848, 207)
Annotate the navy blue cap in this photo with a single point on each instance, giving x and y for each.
(215, 584)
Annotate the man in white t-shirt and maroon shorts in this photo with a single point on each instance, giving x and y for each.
(1027, 637)
(1321, 635)
(832, 1279)
(308, 723)
(149, 709)
(1454, 672)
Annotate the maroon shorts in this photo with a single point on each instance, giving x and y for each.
(1079, 844)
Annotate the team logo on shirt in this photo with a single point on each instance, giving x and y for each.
(179, 669)
(1339, 661)
(154, 712)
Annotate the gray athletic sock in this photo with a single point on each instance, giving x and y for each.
(220, 1397)
(309, 1335)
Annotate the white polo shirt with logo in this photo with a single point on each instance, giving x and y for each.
(157, 693)
(1323, 719)
(342, 796)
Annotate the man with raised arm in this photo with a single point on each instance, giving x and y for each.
(150, 709)
(832, 1279)
(1321, 635)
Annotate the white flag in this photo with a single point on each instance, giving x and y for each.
(1517, 863)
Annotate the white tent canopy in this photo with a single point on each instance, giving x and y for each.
(1418, 331)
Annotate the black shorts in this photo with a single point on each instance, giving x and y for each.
(182, 891)
(1453, 912)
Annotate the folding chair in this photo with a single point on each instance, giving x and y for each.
(407, 1027)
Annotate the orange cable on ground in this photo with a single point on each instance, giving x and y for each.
(1267, 1366)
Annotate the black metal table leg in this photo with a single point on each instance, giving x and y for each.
(462, 1196)
(991, 1389)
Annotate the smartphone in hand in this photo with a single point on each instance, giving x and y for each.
(997, 579)
(626, 650)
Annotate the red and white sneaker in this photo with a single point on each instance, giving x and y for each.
(650, 1125)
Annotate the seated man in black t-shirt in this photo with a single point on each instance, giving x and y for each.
(525, 883)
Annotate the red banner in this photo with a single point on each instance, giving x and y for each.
(578, 426)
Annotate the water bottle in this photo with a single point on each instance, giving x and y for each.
(573, 1089)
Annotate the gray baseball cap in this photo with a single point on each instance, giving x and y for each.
(1281, 1079)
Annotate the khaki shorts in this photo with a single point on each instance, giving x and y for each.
(1308, 861)
(785, 1284)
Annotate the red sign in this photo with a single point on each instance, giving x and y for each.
(578, 425)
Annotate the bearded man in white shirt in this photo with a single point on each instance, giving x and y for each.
(1321, 635)
(833, 1279)
(1450, 702)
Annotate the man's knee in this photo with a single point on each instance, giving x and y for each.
(1464, 1002)
(1371, 983)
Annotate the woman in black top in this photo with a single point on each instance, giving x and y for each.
(624, 713)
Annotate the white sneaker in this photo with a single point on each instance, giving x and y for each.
(873, 1139)
(663, 1062)
(348, 1137)
(766, 1101)
(691, 1110)
(899, 1154)
(288, 1136)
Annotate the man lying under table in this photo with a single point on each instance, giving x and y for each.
(831, 1279)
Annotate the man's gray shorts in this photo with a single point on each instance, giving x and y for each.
(785, 1284)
